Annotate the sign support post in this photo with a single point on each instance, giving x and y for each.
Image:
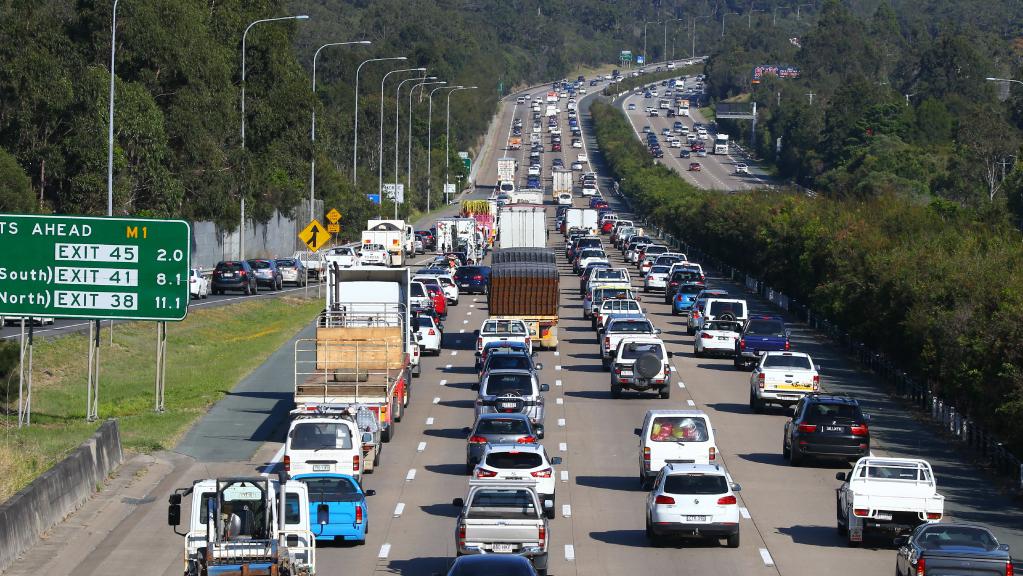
(92, 393)
(161, 364)
(25, 377)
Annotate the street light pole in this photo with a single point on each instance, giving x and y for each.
(695, 18)
(723, 14)
(241, 226)
(397, 140)
(447, 141)
(355, 131)
(312, 162)
(110, 123)
(411, 93)
(380, 151)
(429, 146)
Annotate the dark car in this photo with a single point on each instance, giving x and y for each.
(826, 426)
(761, 334)
(492, 565)
(496, 428)
(234, 275)
(508, 358)
(472, 279)
(685, 153)
(427, 238)
(960, 549)
(499, 346)
(267, 274)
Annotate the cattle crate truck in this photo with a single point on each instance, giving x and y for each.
(524, 286)
(362, 351)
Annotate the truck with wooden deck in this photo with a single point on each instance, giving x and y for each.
(524, 286)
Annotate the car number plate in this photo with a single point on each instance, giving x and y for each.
(626, 372)
(834, 428)
(508, 405)
(503, 548)
(722, 337)
(321, 467)
(464, 285)
(228, 274)
(696, 518)
(883, 516)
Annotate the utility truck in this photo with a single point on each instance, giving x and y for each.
(397, 237)
(257, 526)
(362, 352)
(460, 234)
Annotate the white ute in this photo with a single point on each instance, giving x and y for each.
(890, 495)
(782, 378)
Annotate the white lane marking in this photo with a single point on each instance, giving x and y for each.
(556, 353)
(475, 299)
(454, 352)
(690, 402)
(561, 422)
(429, 421)
(562, 446)
(444, 382)
(558, 367)
(385, 551)
(462, 331)
(681, 384)
(468, 314)
(564, 475)
(744, 512)
(472, 305)
(421, 447)
(465, 322)
(447, 366)
(569, 552)
(411, 475)
(559, 401)
(566, 510)
(436, 399)
(768, 561)
(277, 458)
(399, 509)
(673, 369)
(557, 382)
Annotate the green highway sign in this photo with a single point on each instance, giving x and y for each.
(79, 267)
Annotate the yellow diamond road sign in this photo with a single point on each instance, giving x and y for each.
(314, 236)
(333, 215)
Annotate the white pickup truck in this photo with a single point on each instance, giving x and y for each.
(889, 495)
(504, 517)
(782, 378)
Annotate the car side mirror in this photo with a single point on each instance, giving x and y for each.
(657, 330)
(788, 333)
(1003, 547)
(545, 387)
(840, 476)
(458, 502)
(174, 510)
(866, 417)
(637, 431)
(539, 431)
(370, 492)
(538, 366)
(901, 541)
(419, 337)
(556, 461)
(736, 487)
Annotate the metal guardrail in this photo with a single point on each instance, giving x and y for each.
(949, 418)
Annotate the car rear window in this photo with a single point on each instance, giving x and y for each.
(320, 435)
(259, 264)
(417, 290)
(821, 413)
(286, 262)
(690, 289)
(424, 322)
(332, 490)
(509, 362)
(502, 426)
(611, 274)
(229, 267)
(634, 350)
(679, 429)
(504, 327)
(695, 484)
(500, 384)
(658, 270)
(722, 325)
(592, 254)
(734, 308)
(783, 361)
(514, 460)
(605, 293)
(494, 503)
(766, 328)
(630, 326)
(938, 537)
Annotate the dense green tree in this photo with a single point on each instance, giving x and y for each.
(15, 187)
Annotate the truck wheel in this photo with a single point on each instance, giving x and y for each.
(689, 330)
(665, 392)
(795, 456)
(733, 540)
(248, 289)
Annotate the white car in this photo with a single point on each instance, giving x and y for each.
(564, 199)
(534, 170)
(520, 462)
(656, 278)
(447, 283)
(782, 378)
(577, 143)
(632, 106)
(676, 143)
(344, 256)
(374, 255)
(741, 168)
(693, 500)
(590, 256)
(198, 285)
(589, 190)
(536, 127)
(577, 166)
(717, 337)
(430, 336)
(582, 158)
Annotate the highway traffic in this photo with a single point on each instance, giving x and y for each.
(599, 524)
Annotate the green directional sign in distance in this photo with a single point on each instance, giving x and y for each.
(78, 267)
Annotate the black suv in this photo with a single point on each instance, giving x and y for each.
(826, 426)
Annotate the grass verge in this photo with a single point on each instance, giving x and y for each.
(207, 354)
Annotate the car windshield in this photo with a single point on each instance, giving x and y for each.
(658, 270)
(937, 537)
(611, 274)
(501, 384)
(734, 308)
(695, 484)
(514, 460)
(679, 429)
(605, 293)
(766, 328)
(332, 490)
(502, 426)
(787, 361)
(287, 262)
(821, 413)
(504, 327)
(634, 350)
(509, 362)
(592, 254)
(496, 503)
(642, 327)
(321, 435)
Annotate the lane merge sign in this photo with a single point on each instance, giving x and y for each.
(314, 235)
(94, 267)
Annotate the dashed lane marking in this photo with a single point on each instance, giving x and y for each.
(448, 366)
(556, 353)
(443, 382)
(768, 561)
(559, 401)
(462, 331)
(558, 367)
(564, 475)
(563, 446)
(561, 422)
(681, 384)
(744, 512)
(421, 447)
(454, 352)
(429, 421)
(557, 382)
(436, 399)
(465, 321)
(569, 552)
(411, 475)
(566, 510)
(690, 402)
(385, 551)
(398, 509)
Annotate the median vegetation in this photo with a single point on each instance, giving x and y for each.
(207, 354)
(937, 286)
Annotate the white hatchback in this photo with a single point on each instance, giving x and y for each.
(717, 337)
(430, 334)
(693, 500)
(564, 199)
(198, 285)
(520, 462)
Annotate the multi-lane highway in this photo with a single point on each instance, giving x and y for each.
(788, 514)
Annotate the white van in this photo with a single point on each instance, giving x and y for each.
(327, 439)
(674, 436)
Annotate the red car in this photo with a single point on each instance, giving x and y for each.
(607, 226)
(440, 302)
(695, 167)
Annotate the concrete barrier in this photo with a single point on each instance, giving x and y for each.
(57, 493)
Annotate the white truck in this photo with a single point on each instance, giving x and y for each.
(457, 234)
(782, 378)
(527, 196)
(506, 169)
(242, 525)
(313, 263)
(562, 181)
(721, 143)
(503, 517)
(396, 236)
(522, 226)
(887, 495)
(585, 218)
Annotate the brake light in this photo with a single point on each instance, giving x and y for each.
(481, 473)
(807, 427)
(862, 512)
(358, 515)
(646, 458)
(706, 336)
(478, 278)
(859, 430)
(526, 440)
(696, 313)
(542, 535)
(761, 379)
(787, 346)
(477, 440)
(662, 499)
(726, 500)
(287, 463)
(816, 381)
(355, 463)
(1008, 568)
(461, 535)
(607, 342)
(479, 343)
(545, 473)
(934, 515)
(712, 454)
(921, 567)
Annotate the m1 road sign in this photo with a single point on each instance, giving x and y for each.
(81, 267)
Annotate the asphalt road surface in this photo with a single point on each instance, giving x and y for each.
(788, 514)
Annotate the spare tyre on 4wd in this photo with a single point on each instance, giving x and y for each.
(641, 363)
